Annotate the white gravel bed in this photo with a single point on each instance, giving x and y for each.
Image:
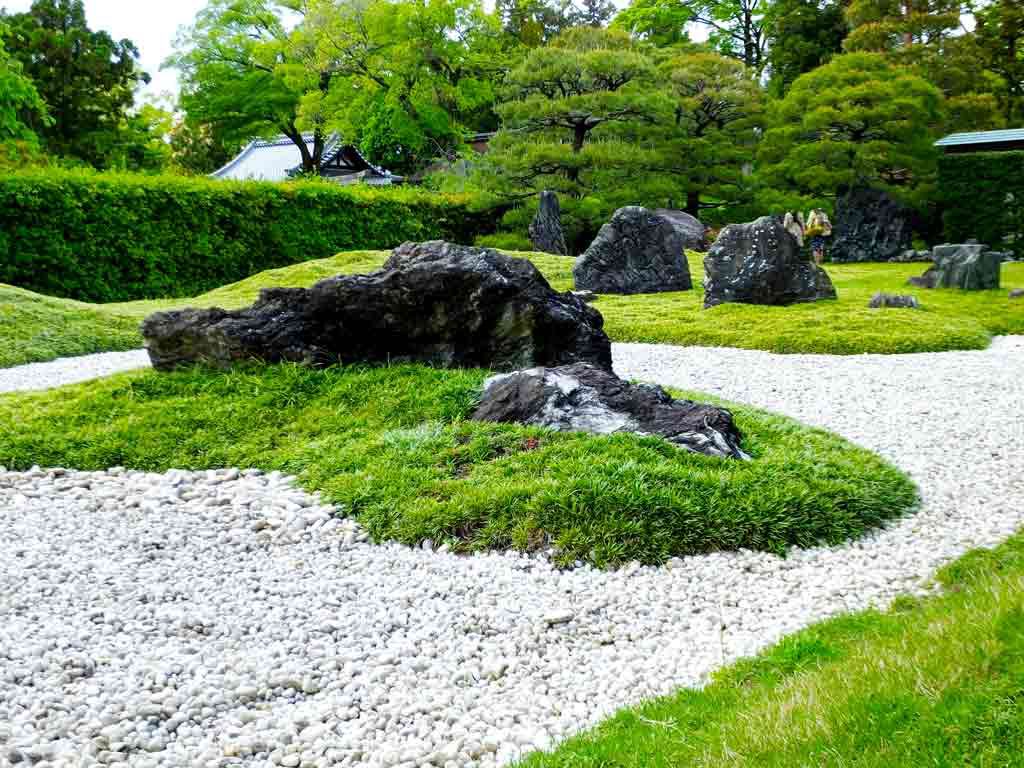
(215, 619)
(70, 370)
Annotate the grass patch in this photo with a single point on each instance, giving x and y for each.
(392, 447)
(36, 328)
(936, 682)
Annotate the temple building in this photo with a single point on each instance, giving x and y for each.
(279, 159)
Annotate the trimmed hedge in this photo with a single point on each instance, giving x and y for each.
(982, 195)
(118, 237)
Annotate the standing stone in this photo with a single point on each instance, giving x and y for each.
(761, 263)
(968, 266)
(546, 228)
(638, 251)
(695, 234)
(447, 305)
(582, 398)
(870, 226)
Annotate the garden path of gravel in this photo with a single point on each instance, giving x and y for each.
(222, 618)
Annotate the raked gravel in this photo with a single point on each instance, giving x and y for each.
(226, 618)
(70, 370)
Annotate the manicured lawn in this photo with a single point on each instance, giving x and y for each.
(937, 682)
(949, 320)
(392, 447)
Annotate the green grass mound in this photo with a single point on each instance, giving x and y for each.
(393, 447)
(935, 682)
(34, 328)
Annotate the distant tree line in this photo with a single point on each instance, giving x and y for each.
(786, 102)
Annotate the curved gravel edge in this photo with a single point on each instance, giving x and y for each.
(225, 618)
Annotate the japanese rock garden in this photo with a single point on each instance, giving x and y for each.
(464, 385)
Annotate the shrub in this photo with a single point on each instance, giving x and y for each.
(505, 241)
(983, 197)
(116, 237)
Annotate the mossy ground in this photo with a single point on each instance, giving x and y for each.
(932, 682)
(392, 446)
(35, 328)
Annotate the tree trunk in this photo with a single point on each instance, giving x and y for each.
(693, 202)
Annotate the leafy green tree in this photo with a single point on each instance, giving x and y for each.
(242, 75)
(710, 141)
(592, 13)
(20, 102)
(533, 22)
(1000, 33)
(928, 35)
(802, 35)
(577, 117)
(407, 78)
(661, 22)
(86, 78)
(858, 120)
(736, 27)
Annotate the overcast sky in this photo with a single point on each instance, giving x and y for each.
(151, 24)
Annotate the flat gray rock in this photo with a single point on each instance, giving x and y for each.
(968, 266)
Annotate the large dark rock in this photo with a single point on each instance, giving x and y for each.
(695, 234)
(761, 263)
(969, 266)
(436, 303)
(638, 251)
(871, 226)
(546, 228)
(582, 398)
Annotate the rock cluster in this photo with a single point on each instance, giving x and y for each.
(436, 303)
(870, 226)
(761, 263)
(896, 301)
(968, 266)
(582, 398)
(638, 251)
(546, 228)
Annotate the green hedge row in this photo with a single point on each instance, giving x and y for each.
(117, 237)
(982, 195)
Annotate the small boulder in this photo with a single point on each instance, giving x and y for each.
(761, 263)
(584, 398)
(870, 226)
(895, 301)
(436, 303)
(546, 228)
(1017, 293)
(968, 266)
(638, 251)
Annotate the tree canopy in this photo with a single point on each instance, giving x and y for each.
(86, 79)
(858, 120)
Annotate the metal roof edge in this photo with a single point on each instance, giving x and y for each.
(233, 161)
